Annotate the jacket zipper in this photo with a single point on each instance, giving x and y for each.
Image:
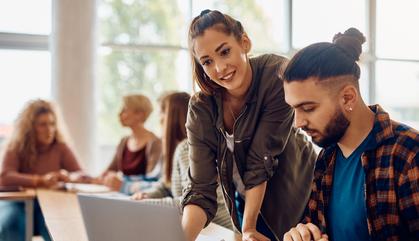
(225, 152)
(238, 141)
(238, 118)
(222, 164)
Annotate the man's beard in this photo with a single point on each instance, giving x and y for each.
(334, 130)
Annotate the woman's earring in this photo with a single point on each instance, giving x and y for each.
(350, 109)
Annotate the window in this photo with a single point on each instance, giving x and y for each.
(263, 20)
(318, 21)
(25, 64)
(397, 90)
(142, 51)
(25, 16)
(144, 46)
(397, 66)
(33, 82)
(150, 72)
(397, 36)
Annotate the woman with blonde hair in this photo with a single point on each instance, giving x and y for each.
(36, 156)
(138, 154)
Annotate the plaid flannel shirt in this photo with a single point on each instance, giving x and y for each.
(391, 182)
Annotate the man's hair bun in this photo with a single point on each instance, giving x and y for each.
(350, 42)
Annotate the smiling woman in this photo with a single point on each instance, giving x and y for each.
(240, 134)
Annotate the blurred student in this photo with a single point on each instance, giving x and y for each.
(137, 155)
(37, 155)
(174, 108)
(366, 178)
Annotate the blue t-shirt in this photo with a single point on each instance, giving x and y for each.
(347, 212)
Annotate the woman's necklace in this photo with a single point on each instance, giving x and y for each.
(232, 112)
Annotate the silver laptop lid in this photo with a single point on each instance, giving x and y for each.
(108, 219)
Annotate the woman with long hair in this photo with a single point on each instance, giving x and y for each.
(37, 155)
(174, 109)
(241, 135)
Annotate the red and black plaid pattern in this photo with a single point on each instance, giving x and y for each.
(391, 182)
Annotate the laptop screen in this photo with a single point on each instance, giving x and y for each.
(109, 219)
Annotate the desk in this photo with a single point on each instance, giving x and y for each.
(65, 223)
(62, 215)
(26, 196)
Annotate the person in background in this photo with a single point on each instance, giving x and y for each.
(37, 155)
(241, 135)
(137, 155)
(174, 108)
(366, 178)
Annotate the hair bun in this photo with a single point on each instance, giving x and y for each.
(351, 42)
(204, 12)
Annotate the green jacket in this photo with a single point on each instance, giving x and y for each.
(266, 148)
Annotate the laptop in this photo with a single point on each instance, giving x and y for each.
(110, 219)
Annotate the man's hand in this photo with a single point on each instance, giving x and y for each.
(305, 232)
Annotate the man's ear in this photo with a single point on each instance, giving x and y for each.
(348, 98)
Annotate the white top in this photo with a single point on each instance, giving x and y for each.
(237, 180)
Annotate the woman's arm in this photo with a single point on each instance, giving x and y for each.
(180, 169)
(270, 137)
(202, 174)
(10, 175)
(193, 221)
(275, 119)
(254, 198)
(68, 159)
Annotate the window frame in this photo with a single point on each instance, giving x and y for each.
(369, 58)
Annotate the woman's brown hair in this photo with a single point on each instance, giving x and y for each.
(221, 22)
(174, 107)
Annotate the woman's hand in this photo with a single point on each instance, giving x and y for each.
(139, 196)
(50, 180)
(113, 181)
(80, 177)
(253, 235)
